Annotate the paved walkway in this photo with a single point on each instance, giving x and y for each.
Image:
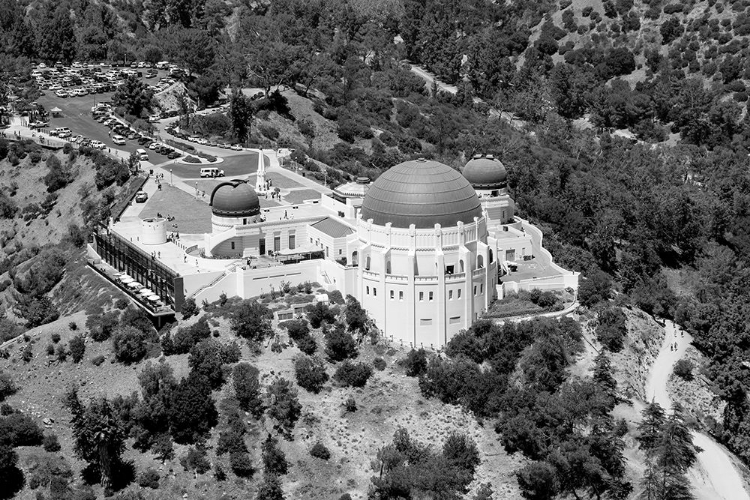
(714, 476)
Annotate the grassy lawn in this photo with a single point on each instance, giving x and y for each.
(192, 216)
(281, 181)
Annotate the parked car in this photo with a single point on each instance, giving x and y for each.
(118, 139)
(141, 197)
(173, 155)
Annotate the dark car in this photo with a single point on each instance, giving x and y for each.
(173, 155)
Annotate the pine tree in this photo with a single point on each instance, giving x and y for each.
(675, 454)
(603, 376)
(274, 460)
(649, 430)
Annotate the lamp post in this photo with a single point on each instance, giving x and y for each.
(170, 177)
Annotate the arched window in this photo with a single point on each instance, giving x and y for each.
(492, 256)
(480, 261)
(367, 263)
(355, 258)
(388, 267)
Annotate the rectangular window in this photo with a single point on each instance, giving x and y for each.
(455, 319)
(481, 289)
(475, 290)
(459, 293)
(393, 295)
(276, 243)
(448, 269)
(367, 290)
(233, 245)
(292, 242)
(425, 322)
(374, 291)
(421, 296)
(430, 296)
(400, 295)
(450, 294)
(326, 251)
(339, 251)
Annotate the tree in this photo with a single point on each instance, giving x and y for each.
(192, 48)
(274, 460)
(11, 477)
(192, 412)
(99, 438)
(189, 308)
(129, 344)
(250, 321)
(416, 362)
(207, 358)
(340, 345)
(356, 317)
(353, 374)
(538, 481)
(246, 382)
(285, 407)
(134, 96)
(270, 489)
(310, 373)
(241, 113)
(56, 38)
(77, 346)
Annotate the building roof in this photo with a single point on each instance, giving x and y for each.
(234, 199)
(332, 228)
(486, 173)
(421, 192)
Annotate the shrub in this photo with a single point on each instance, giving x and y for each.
(415, 362)
(51, 443)
(18, 429)
(274, 460)
(340, 345)
(189, 309)
(297, 328)
(7, 387)
(612, 329)
(684, 369)
(320, 451)
(61, 353)
(307, 345)
(240, 463)
(379, 364)
(353, 374)
(149, 479)
(97, 360)
(50, 349)
(55, 338)
(310, 372)
(350, 404)
(129, 344)
(285, 407)
(77, 348)
(246, 382)
(191, 159)
(196, 460)
(73, 326)
(121, 303)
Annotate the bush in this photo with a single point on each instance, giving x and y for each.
(51, 443)
(350, 404)
(320, 451)
(241, 464)
(415, 362)
(310, 372)
(50, 349)
(61, 353)
(379, 364)
(55, 338)
(189, 309)
(77, 348)
(354, 375)
(684, 369)
(340, 345)
(97, 360)
(307, 345)
(191, 159)
(149, 479)
(246, 382)
(7, 387)
(612, 328)
(129, 344)
(122, 303)
(196, 460)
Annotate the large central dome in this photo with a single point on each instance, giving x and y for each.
(234, 199)
(423, 193)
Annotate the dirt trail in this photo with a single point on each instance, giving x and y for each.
(714, 476)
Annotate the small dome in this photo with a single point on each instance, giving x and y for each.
(423, 193)
(234, 199)
(486, 173)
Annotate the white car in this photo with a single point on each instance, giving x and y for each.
(154, 145)
(61, 93)
(98, 144)
(118, 139)
(55, 87)
(236, 147)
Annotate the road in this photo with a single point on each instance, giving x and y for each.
(714, 476)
